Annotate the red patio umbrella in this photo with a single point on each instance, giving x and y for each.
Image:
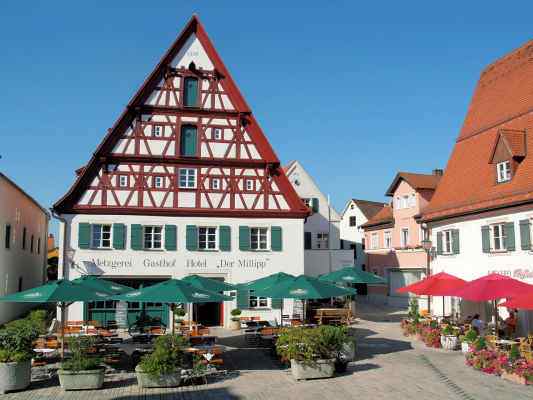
(524, 302)
(441, 284)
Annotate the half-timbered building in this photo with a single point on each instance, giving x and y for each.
(185, 182)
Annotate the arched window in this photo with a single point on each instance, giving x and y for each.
(190, 92)
(188, 141)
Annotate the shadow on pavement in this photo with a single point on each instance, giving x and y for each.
(204, 393)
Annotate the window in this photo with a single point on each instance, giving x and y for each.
(387, 239)
(322, 240)
(307, 202)
(503, 170)
(158, 182)
(405, 201)
(217, 133)
(188, 141)
(353, 221)
(215, 183)
(412, 200)
(374, 241)
(20, 284)
(249, 184)
(123, 180)
(447, 246)
(397, 203)
(258, 302)
(31, 244)
(24, 239)
(190, 92)
(187, 178)
(157, 130)
(498, 237)
(8, 237)
(259, 238)
(405, 237)
(207, 238)
(152, 237)
(101, 236)
(38, 245)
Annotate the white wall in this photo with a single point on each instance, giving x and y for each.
(19, 211)
(353, 234)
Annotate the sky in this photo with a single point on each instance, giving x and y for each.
(356, 91)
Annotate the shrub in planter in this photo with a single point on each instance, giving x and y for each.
(179, 313)
(162, 367)
(16, 351)
(519, 371)
(82, 370)
(467, 340)
(235, 319)
(488, 361)
(449, 337)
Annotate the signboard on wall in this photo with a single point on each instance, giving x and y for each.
(121, 314)
(523, 274)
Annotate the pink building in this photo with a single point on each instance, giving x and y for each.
(393, 236)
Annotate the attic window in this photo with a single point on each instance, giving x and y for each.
(503, 171)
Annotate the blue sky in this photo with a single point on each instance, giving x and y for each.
(354, 90)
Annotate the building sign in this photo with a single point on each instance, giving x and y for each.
(523, 274)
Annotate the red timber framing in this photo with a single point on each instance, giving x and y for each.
(143, 147)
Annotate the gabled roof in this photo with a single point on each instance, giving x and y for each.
(369, 208)
(383, 217)
(502, 107)
(21, 191)
(416, 181)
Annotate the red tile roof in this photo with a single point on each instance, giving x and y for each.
(369, 208)
(502, 105)
(416, 181)
(384, 216)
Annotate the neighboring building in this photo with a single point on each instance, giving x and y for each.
(481, 215)
(23, 232)
(185, 182)
(356, 213)
(393, 236)
(53, 259)
(323, 247)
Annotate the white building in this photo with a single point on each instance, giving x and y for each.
(324, 251)
(24, 229)
(356, 213)
(184, 183)
(480, 216)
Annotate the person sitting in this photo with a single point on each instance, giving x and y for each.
(478, 324)
(510, 324)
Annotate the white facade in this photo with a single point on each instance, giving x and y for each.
(471, 262)
(23, 237)
(323, 252)
(234, 266)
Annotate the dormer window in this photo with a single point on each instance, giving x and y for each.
(503, 171)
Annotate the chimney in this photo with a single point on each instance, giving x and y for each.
(438, 172)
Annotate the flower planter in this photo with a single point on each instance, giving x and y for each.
(145, 380)
(318, 369)
(515, 378)
(15, 376)
(81, 380)
(341, 366)
(235, 325)
(465, 347)
(348, 350)
(449, 342)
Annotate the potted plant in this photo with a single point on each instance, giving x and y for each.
(162, 367)
(311, 352)
(449, 339)
(467, 340)
(82, 370)
(179, 313)
(16, 351)
(235, 319)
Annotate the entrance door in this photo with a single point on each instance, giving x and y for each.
(210, 314)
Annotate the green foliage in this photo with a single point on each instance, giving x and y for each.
(447, 330)
(80, 359)
(179, 312)
(308, 345)
(16, 340)
(39, 318)
(470, 336)
(167, 356)
(413, 313)
(235, 314)
(480, 343)
(514, 353)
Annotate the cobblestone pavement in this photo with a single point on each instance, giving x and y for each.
(389, 366)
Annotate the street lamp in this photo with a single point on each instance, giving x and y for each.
(427, 246)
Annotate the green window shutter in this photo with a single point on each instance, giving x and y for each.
(244, 238)
(191, 239)
(276, 303)
(525, 234)
(314, 204)
(276, 239)
(509, 236)
(308, 239)
(188, 141)
(455, 241)
(119, 236)
(84, 235)
(243, 299)
(171, 237)
(439, 243)
(485, 238)
(190, 95)
(224, 238)
(136, 237)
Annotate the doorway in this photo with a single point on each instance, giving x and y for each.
(209, 314)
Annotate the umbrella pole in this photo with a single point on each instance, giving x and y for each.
(172, 307)
(62, 307)
(443, 308)
(281, 314)
(495, 319)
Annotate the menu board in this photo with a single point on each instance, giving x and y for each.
(121, 314)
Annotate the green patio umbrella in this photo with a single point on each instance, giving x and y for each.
(350, 274)
(96, 283)
(171, 292)
(213, 285)
(63, 293)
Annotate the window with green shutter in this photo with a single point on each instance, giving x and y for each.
(485, 239)
(315, 205)
(191, 238)
(171, 237)
(244, 238)
(224, 238)
(455, 241)
(119, 236)
(188, 141)
(525, 234)
(439, 243)
(243, 298)
(509, 236)
(190, 92)
(276, 238)
(136, 237)
(84, 235)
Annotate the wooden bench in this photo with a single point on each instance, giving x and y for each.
(340, 316)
